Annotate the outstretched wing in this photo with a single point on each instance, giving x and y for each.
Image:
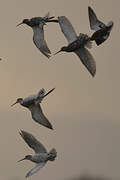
(67, 29)
(39, 41)
(95, 24)
(33, 142)
(35, 169)
(87, 60)
(38, 116)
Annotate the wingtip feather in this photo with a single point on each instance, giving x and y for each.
(50, 127)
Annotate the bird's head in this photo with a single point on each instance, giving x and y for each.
(25, 21)
(28, 157)
(19, 100)
(64, 48)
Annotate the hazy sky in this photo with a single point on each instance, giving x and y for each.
(84, 111)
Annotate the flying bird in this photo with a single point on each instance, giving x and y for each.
(33, 104)
(102, 31)
(37, 24)
(77, 44)
(41, 155)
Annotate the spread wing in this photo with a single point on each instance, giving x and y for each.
(39, 41)
(95, 24)
(67, 29)
(38, 116)
(87, 60)
(33, 142)
(35, 169)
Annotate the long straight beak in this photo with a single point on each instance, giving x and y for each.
(21, 159)
(14, 103)
(57, 52)
(19, 24)
(48, 92)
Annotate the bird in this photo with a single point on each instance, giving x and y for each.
(77, 44)
(102, 31)
(41, 155)
(33, 104)
(37, 24)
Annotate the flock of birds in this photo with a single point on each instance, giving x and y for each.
(76, 44)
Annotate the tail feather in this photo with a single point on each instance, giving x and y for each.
(53, 151)
(41, 93)
(110, 25)
(99, 41)
(47, 18)
(52, 154)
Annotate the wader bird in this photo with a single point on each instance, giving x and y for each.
(41, 155)
(77, 44)
(37, 24)
(102, 31)
(33, 104)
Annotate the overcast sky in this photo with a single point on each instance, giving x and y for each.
(84, 111)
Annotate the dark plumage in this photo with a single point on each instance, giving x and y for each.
(77, 44)
(102, 31)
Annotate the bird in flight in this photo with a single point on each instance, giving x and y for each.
(102, 31)
(37, 24)
(33, 104)
(77, 44)
(41, 155)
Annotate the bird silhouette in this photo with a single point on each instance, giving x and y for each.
(41, 155)
(33, 104)
(77, 44)
(102, 31)
(37, 24)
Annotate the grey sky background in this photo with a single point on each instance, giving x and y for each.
(84, 111)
